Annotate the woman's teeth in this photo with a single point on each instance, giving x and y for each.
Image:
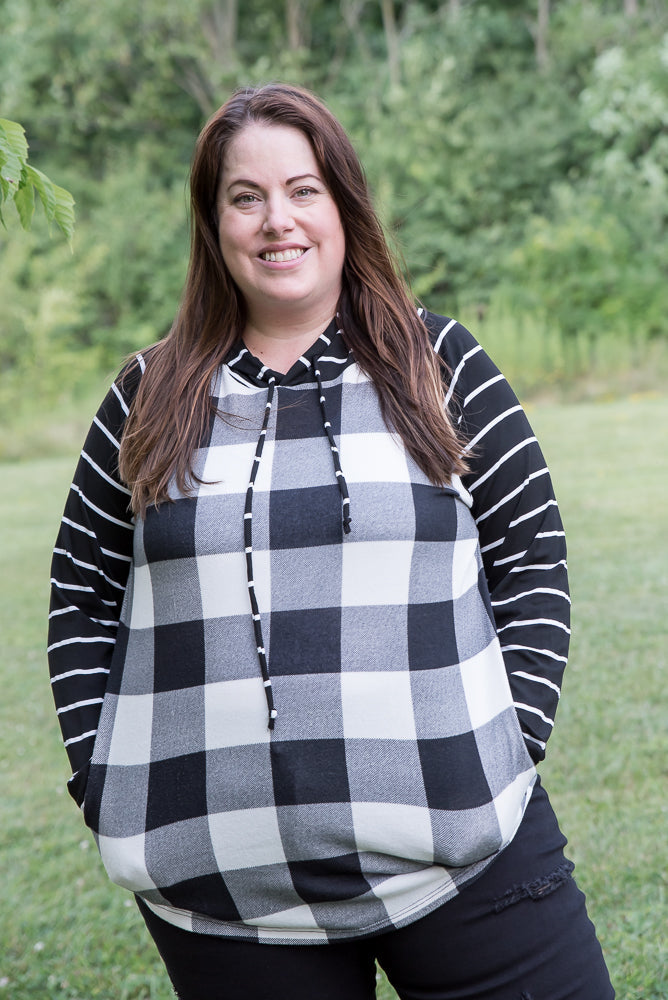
(283, 255)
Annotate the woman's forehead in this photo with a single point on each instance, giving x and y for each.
(261, 147)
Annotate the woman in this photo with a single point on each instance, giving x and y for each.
(309, 623)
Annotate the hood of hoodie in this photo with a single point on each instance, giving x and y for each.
(328, 354)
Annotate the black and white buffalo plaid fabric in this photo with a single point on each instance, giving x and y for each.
(287, 732)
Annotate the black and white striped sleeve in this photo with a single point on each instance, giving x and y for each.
(89, 572)
(521, 533)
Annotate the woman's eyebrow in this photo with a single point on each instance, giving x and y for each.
(242, 180)
(302, 177)
(291, 180)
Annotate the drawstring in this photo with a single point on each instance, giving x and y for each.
(248, 526)
(340, 478)
(248, 548)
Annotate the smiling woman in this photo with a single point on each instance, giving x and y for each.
(310, 613)
(382, 326)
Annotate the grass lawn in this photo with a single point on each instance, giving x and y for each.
(66, 933)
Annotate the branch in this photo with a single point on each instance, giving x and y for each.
(19, 181)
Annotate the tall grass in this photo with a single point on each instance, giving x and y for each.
(541, 362)
(67, 934)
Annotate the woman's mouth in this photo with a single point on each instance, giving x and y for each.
(280, 256)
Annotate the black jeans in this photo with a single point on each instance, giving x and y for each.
(518, 932)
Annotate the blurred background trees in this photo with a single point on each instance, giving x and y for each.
(518, 152)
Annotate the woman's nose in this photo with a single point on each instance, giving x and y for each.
(278, 217)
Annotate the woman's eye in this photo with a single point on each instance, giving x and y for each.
(245, 199)
(304, 192)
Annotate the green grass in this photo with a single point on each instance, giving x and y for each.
(66, 933)
(608, 759)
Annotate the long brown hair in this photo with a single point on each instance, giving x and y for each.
(173, 408)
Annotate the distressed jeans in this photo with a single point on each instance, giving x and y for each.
(518, 932)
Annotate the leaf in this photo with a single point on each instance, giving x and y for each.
(13, 155)
(58, 203)
(4, 185)
(64, 213)
(24, 199)
(15, 137)
(44, 188)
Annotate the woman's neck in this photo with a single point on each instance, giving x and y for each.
(279, 347)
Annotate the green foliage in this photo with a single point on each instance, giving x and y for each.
(132, 252)
(504, 184)
(19, 181)
(594, 260)
(587, 270)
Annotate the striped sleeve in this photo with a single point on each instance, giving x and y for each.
(89, 571)
(521, 533)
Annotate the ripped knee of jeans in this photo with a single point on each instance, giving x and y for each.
(537, 889)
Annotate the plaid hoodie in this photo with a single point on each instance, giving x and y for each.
(304, 702)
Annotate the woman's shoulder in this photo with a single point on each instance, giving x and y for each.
(470, 368)
(130, 375)
(449, 338)
(115, 407)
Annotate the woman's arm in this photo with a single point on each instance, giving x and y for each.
(89, 572)
(521, 534)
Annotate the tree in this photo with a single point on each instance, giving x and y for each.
(19, 181)
(540, 30)
(296, 24)
(391, 41)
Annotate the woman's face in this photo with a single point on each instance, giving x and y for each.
(279, 229)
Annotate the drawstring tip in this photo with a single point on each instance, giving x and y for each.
(272, 718)
(346, 525)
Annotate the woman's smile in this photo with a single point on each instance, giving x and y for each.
(283, 256)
